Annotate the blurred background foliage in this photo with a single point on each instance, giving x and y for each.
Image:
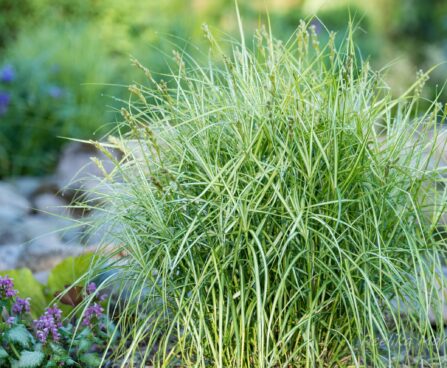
(65, 64)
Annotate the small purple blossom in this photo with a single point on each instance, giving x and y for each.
(5, 99)
(48, 325)
(7, 287)
(92, 311)
(21, 306)
(317, 25)
(10, 321)
(91, 288)
(7, 73)
(55, 92)
(56, 313)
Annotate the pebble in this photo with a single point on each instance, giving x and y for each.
(51, 204)
(9, 256)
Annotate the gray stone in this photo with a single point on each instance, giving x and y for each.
(76, 170)
(9, 256)
(10, 233)
(44, 253)
(13, 206)
(38, 226)
(27, 185)
(72, 232)
(67, 229)
(51, 204)
(101, 231)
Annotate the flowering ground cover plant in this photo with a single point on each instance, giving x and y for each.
(272, 210)
(49, 341)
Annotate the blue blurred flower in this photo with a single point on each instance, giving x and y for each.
(55, 92)
(7, 73)
(317, 24)
(5, 99)
(55, 68)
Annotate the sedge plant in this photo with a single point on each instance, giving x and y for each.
(275, 207)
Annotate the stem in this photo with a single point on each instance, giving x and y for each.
(15, 351)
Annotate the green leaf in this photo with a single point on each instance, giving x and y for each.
(84, 345)
(3, 353)
(29, 359)
(91, 360)
(19, 335)
(70, 362)
(69, 271)
(28, 286)
(58, 350)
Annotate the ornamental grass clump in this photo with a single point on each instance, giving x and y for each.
(275, 207)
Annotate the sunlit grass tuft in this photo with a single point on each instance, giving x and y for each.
(272, 212)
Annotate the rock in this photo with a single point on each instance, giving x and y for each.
(51, 204)
(44, 253)
(9, 256)
(13, 206)
(10, 233)
(38, 226)
(72, 232)
(101, 232)
(76, 171)
(67, 229)
(44, 247)
(27, 185)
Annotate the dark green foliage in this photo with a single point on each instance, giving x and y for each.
(12, 16)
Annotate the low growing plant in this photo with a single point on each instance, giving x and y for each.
(273, 212)
(49, 341)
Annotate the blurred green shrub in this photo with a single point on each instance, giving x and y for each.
(12, 14)
(64, 67)
(47, 95)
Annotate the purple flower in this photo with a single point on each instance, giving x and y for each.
(317, 24)
(91, 288)
(48, 325)
(93, 311)
(10, 321)
(21, 306)
(5, 99)
(7, 73)
(56, 313)
(7, 287)
(55, 92)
